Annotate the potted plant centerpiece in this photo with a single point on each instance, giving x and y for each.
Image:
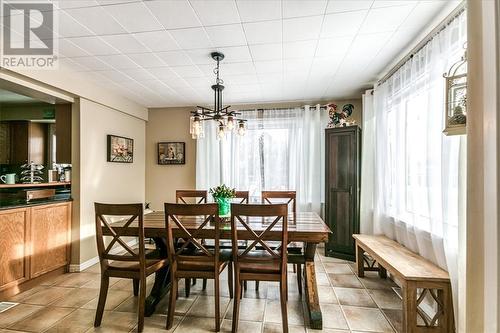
(223, 195)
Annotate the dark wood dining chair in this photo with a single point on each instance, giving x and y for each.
(259, 261)
(294, 249)
(133, 264)
(204, 263)
(242, 197)
(191, 197)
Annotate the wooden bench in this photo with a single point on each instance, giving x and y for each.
(412, 273)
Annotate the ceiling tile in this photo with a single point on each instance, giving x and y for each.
(263, 32)
(392, 3)
(335, 45)
(157, 40)
(342, 24)
(70, 65)
(339, 6)
(65, 4)
(115, 75)
(226, 11)
(300, 8)
(125, 43)
(118, 61)
(297, 65)
(237, 68)
(70, 27)
(194, 38)
(97, 20)
(138, 74)
(174, 14)
(92, 63)
(147, 60)
(251, 11)
(265, 51)
(303, 49)
(232, 54)
(188, 71)
(163, 73)
(385, 19)
(302, 28)
(69, 49)
(93, 45)
(266, 67)
(134, 17)
(175, 58)
(226, 35)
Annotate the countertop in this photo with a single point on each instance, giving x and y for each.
(13, 204)
(34, 185)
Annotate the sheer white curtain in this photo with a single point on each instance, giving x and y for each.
(418, 173)
(282, 150)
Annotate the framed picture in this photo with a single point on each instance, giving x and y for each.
(171, 153)
(120, 149)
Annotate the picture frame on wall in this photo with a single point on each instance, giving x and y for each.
(120, 149)
(171, 153)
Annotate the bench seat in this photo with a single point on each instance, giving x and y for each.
(418, 278)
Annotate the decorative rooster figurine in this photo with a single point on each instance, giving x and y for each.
(338, 119)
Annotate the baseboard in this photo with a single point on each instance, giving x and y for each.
(74, 268)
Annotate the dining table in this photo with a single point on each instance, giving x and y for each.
(306, 228)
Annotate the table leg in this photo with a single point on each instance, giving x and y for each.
(162, 280)
(311, 288)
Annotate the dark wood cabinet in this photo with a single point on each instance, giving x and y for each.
(342, 175)
(28, 142)
(63, 133)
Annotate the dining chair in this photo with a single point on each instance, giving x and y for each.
(204, 263)
(259, 261)
(294, 249)
(242, 197)
(187, 197)
(133, 263)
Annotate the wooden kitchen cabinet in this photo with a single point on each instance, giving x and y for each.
(14, 247)
(33, 241)
(28, 142)
(49, 235)
(63, 133)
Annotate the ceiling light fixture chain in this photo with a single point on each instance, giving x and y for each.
(226, 118)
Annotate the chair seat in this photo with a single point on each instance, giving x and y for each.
(133, 266)
(259, 262)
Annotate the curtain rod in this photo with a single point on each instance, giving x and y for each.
(440, 27)
(281, 109)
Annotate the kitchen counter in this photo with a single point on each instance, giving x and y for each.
(35, 185)
(14, 195)
(13, 204)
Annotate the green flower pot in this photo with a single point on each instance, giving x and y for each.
(224, 206)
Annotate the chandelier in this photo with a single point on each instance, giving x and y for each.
(227, 120)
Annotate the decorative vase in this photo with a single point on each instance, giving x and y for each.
(224, 206)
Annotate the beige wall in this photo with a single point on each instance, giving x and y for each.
(102, 181)
(168, 124)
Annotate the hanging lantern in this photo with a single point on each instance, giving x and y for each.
(456, 98)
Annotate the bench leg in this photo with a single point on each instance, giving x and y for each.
(446, 322)
(382, 272)
(409, 293)
(360, 264)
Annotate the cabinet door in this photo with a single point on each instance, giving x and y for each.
(63, 133)
(4, 143)
(19, 138)
(50, 225)
(14, 247)
(340, 179)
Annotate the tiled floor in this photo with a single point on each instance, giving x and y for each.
(349, 304)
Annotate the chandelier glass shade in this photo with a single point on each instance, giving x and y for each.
(228, 120)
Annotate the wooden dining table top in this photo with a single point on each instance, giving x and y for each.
(305, 227)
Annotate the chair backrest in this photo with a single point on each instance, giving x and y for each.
(116, 218)
(190, 219)
(198, 196)
(288, 197)
(242, 197)
(244, 214)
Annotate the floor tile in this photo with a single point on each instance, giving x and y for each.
(345, 280)
(78, 321)
(386, 298)
(333, 317)
(42, 319)
(294, 312)
(353, 296)
(47, 296)
(366, 319)
(76, 280)
(373, 281)
(251, 309)
(196, 325)
(113, 299)
(243, 326)
(278, 328)
(322, 279)
(326, 295)
(395, 318)
(116, 322)
(204, 306)
(156, 324)
(182, 305)
(326, 330)
(77, 298)
(25, 294)
(17, 313)
(335, 268)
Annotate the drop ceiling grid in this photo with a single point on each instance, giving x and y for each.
(297, 42)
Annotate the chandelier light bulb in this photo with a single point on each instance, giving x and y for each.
(241, 128)
(230, 123)
(221, 133)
